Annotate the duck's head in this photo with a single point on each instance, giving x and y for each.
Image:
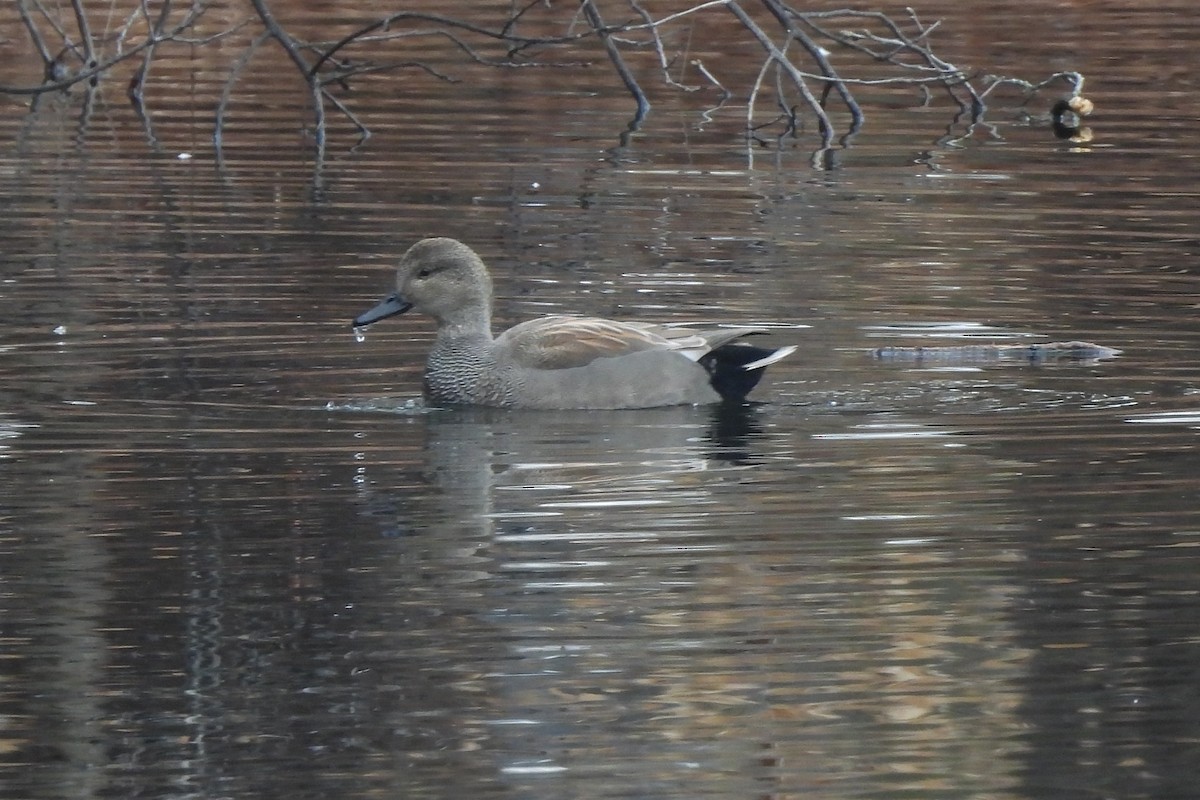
(442, 278)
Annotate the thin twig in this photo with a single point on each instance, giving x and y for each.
(437, 19)
(364, 132)
(227, 90)
(314, 86)
(659, 50)
(818, 54)
(35, 35)
(368, 69)
(782, 62)
(85, 33)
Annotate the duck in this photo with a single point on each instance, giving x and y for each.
(559, 361)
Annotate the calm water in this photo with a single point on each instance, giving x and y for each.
(236, 559)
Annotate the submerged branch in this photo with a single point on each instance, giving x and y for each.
(614, 55)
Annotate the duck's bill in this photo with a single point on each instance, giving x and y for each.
(390, 306)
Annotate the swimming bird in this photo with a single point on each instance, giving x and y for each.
(559, 361)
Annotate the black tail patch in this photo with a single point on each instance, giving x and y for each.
(727, 368)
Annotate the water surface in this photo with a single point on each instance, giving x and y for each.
(238, 559)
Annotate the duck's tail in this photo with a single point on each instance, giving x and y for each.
(734, 369)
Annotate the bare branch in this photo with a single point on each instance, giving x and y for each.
(783, 63)
(85, 33)
(659, 50)
(437, 19)
(807, 81)
(614, 55)
(314, 87)
(35, 36)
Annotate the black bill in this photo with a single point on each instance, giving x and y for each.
(390, 306)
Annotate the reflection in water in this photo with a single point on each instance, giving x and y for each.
(474, 456)
(483, 600)
(627, 595)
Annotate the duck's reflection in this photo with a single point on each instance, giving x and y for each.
(530, 540)
(636, 595)
(484, 465)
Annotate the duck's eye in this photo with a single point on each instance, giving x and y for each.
(424, 272)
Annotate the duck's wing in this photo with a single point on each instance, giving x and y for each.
(562, 342)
